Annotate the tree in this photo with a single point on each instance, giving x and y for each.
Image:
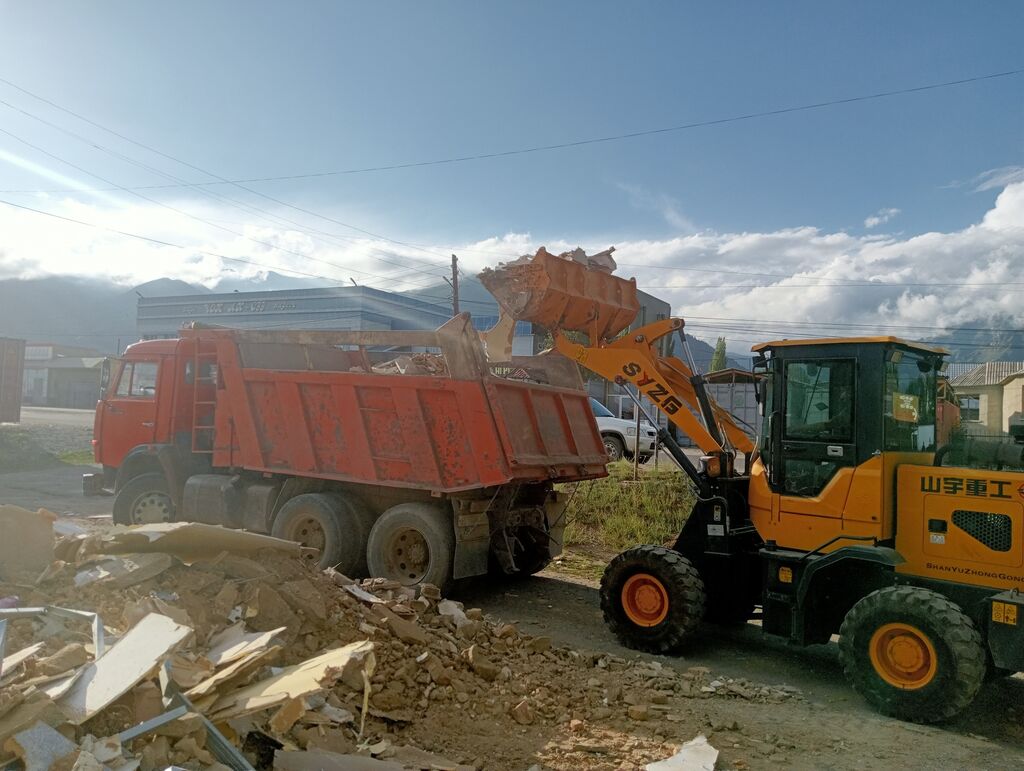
(718, 361)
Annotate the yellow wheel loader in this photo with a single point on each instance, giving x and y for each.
(845, 519)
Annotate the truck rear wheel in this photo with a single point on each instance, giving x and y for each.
(144, 500)
(412, 543)
(912, 654)
(652, 599)
(333, 523)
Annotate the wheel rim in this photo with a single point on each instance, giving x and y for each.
(612, 449)
(151, 508)
(310, 533)
(903, 656)
(645, 600)
(407, 556)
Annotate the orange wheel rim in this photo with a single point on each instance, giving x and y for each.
(645, 600)
(903, 656)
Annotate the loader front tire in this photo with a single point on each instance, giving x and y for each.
(652, 599)
(912, 653)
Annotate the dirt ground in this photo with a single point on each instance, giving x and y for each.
(826, 726)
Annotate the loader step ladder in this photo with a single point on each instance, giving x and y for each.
(204, 393)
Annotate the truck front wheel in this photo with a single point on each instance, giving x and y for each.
(412, 543)
(144, 500)
(335, 524)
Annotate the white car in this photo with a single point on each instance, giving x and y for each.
(620, 436)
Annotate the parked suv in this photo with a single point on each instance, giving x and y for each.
(620, 436)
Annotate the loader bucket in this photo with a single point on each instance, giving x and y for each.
(561, 293)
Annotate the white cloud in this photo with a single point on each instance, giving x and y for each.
(668, 207)
(994, 179)
(880, 217)
(973, 277)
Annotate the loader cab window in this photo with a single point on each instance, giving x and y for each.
(909, 407)
(819, 401)
(818, 424)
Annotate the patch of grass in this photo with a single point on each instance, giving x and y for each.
(611, 514)
(77, 457)
(19, 451)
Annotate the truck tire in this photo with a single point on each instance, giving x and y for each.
(912, 653)
(412, 543)
(144, 500)
(333, 523)
(614, 446)
(652, 599)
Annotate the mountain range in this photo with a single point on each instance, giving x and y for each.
(98, 314)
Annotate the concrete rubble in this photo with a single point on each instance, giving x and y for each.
(242, 656)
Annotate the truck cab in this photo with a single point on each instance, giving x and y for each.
(145, 410)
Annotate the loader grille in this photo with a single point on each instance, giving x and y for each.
(993, 530)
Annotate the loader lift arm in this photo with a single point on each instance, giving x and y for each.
(667, 382)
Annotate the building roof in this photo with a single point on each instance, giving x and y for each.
(988, 374)
(955, 369)
(65, 362)
(730, 375)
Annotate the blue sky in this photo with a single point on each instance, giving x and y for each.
(257, 88)
(926, 187)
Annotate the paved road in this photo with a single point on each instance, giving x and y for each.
(56, 416)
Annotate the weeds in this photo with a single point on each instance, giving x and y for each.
(19, 451)
(611, 514)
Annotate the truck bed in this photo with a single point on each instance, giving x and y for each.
(312, 404)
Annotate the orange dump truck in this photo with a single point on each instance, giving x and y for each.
(431, 465)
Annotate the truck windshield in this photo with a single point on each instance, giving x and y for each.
(909, 407)
(600, 411)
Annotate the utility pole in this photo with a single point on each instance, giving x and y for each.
(455, 285)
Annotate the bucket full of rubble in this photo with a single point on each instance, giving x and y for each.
(572, 291)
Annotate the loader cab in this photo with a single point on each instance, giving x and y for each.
(839, 415)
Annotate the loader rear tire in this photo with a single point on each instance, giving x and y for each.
(912, 653)
(412, 543)
(335, 524)
(652, 599)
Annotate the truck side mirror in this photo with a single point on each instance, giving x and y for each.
(104, 375)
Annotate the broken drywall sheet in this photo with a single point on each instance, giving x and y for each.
(193, 541)
(346, 663)
(26, 541)
(127, 663)
(234, 642)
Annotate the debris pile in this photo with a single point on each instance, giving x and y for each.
(196, 646)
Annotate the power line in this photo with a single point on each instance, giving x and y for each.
(197, 218)
(876, 285)
(241, 205)
(160, 242)
(221, 180)
(568, 144)
(859, 325)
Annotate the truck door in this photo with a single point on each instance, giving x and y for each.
(128, 416)
(818, 430)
